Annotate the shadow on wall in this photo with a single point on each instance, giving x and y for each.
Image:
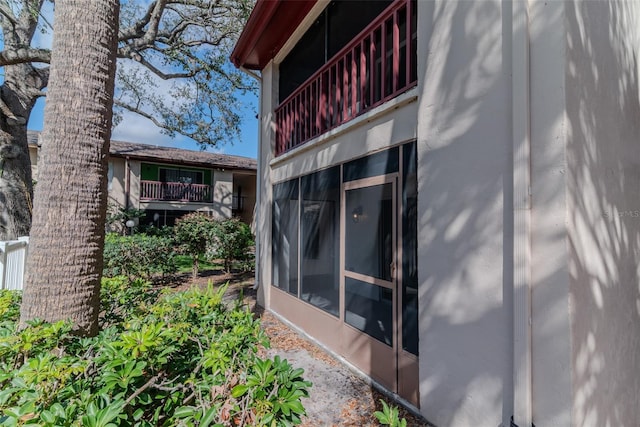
(466, 219)
(464, 199)
(604, 218)
(466, 223)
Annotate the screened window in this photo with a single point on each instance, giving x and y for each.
(306, 242)
(181, 175)
(285, 236)
(381, 163)
(320, 234)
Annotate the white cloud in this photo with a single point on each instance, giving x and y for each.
(135, 128)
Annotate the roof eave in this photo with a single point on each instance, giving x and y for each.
(255, 26)
(270, 25)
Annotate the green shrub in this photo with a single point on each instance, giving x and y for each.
(9, 305)
(122, 299)
(390, 416)
(184, 360)
(138, 255)
(194, 232)
(231, 240)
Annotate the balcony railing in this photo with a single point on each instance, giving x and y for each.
(175, 191)
(377, 65)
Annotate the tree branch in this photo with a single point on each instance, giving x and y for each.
(137, 30)
(7, 13)
(140, 112)
(128, 53)
(24, 55)
(149, 383)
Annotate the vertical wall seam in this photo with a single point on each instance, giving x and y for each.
(522, 345)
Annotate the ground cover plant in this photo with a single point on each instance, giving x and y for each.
(161, 359)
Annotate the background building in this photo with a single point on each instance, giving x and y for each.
(169, 182)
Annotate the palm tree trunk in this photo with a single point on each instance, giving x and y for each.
(64, 266)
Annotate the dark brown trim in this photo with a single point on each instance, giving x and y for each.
(270, 25)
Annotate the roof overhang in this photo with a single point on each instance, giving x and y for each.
(269, 27)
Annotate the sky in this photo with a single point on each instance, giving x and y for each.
(135, 128)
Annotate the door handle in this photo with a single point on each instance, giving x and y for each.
(392, 267)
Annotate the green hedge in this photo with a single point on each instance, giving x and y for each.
(139, 255)
(185, 359)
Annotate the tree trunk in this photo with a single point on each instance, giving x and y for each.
(20, 89)
(21, 86)
(64, 266)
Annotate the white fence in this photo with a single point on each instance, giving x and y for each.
(13, 261)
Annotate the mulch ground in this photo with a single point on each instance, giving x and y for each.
(358, 409)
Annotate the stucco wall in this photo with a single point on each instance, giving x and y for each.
(551, 366)
(464, 197)
(117, 184)
(268, 96)
(603, 151)
(134, 183)
(222, 194)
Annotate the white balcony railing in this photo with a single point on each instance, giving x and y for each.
(175, 191)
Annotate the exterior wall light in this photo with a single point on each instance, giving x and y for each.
(356, 215)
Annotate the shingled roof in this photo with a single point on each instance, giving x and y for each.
(161, 154)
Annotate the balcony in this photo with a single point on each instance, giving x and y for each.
(374, 67)
(175, 192)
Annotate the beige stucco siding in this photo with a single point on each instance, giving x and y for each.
(117, 183)
(551, 365)
(222, 194)
(573, 261)
(264, 193)
(464, 195)
(134, 183)
(603, 151)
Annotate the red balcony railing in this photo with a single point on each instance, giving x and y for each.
(377, 65)
(175, 191)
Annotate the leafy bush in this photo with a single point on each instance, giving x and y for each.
(231, 240)
(185, 360)
(390, 416)
(9, 305)
(122, 299)
(138, 255)
(194, 232)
